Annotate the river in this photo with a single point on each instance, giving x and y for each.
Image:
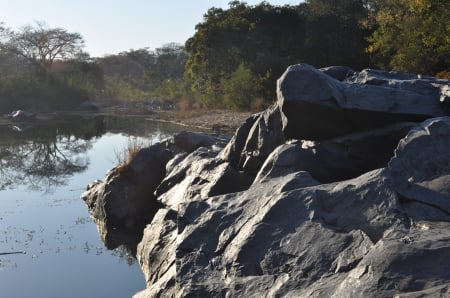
(49, 246)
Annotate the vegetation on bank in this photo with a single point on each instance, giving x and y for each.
(232, 60)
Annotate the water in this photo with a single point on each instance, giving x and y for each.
(54, 245)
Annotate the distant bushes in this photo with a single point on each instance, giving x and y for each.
(37, 93)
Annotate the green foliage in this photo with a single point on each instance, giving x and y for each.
(334, 33)
(143, 74)
(81, 75)
(123, 90)
(31, 92)
(235, 56)
(240, 89)
(412, 36)
(176, 90)
(36, 73)
(267, 39)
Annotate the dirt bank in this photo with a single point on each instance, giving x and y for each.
(215, 120)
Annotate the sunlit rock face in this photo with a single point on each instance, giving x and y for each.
(320, 107)
(125, 202)
(340, 189)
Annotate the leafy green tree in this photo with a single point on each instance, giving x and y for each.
(83, 75)
(334, 33)
(170, 60)
(241, 88)
(265, 38)
(411, 36)
(143, 74)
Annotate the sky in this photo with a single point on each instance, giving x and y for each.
(114, 26)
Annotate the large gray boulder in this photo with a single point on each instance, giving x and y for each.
(422, 177)
(288, 235)
(339, 158)
(255, 140)
(340, 189)
(125, 202)
(320, 107)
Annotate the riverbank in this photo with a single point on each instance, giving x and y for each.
(214, 120)
(208, 120)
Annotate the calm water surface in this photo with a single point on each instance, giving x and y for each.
(56, 249)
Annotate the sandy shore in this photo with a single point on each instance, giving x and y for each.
(214, 120)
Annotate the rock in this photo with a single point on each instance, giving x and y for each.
(320, 107)
(159, 240)
(401, 265)
(337, 159)
(339, 73)
(190, 141)
(200, 174)
(340, 189)
(422, 177)
(22, 116)
(255, 140)
(233, 150)
(289, 235)
(125, 202)
(88, 106)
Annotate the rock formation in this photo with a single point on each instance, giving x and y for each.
(21, 116)
(340, 189)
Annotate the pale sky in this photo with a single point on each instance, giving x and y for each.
(113, 26)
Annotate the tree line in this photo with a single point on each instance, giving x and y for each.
(234, 57)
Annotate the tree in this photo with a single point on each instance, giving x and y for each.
(334, 33)
(42, 45)
(170, 60)
(265, 38)
(143, 73)
(241, 88)
(411, 36)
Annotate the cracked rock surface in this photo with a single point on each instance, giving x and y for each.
(341, 189)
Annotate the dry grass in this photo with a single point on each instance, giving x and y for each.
(127, 154)
(443, 75)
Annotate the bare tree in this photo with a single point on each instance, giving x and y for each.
(42, 45)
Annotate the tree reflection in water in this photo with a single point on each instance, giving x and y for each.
(45, 156)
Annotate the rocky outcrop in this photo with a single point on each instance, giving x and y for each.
(21, 116)
(340, 189)
(125, 202)
(320, 107)
(88, 106)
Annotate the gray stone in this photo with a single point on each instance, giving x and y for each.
(335, 191)
(124, 203)
(403, 264)
(88, 106)
(320, 107)
(22, 116)
(288, 235)
(422, 177)
(340, 158)
(339, 73)
(255, 140)
(190, 141)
